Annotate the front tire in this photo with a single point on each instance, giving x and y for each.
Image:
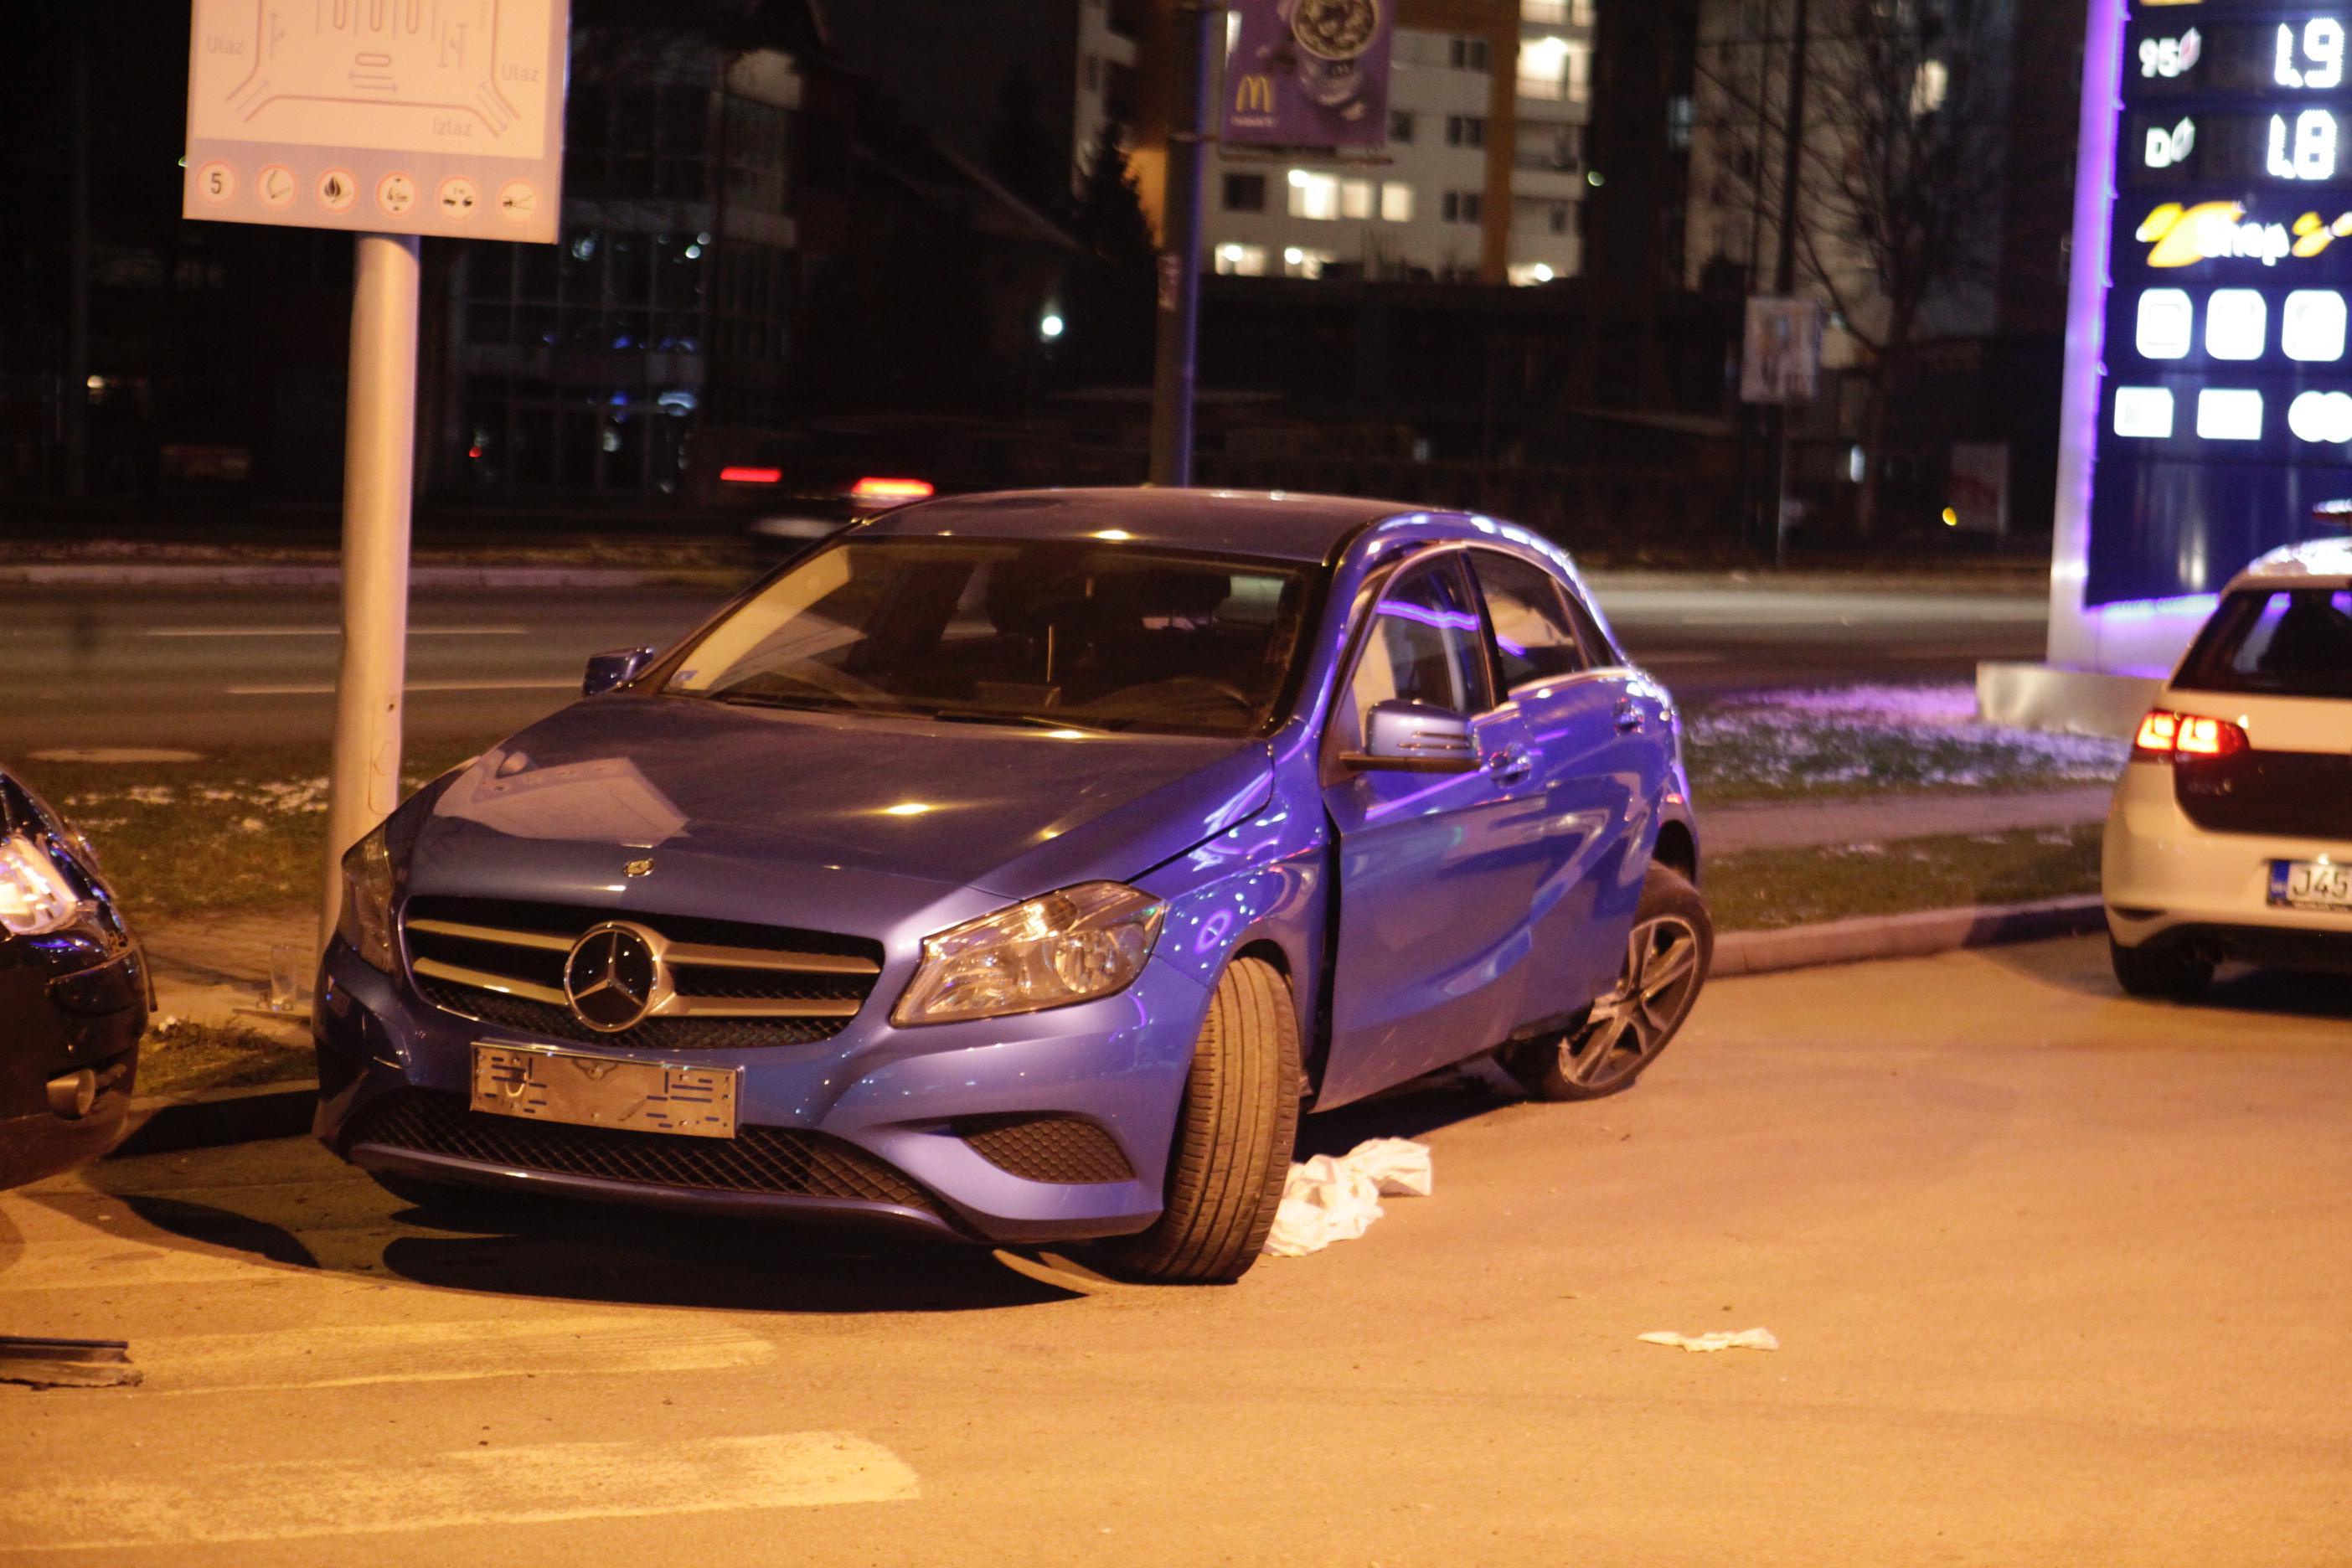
(1234, 1136)
(2160, 974)
(1667, 954)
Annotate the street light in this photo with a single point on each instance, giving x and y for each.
(1051, 326)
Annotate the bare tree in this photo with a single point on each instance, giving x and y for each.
(1900, 176)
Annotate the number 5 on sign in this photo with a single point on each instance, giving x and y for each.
(2314, 154)
(2321, 63)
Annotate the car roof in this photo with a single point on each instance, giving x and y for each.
(1279, 524)
(2322, 561)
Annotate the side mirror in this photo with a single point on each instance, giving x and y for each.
(1414, 737)
(614, 666)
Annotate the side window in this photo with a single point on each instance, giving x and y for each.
(1422, 646)
(1599, 650)
(1533, 639)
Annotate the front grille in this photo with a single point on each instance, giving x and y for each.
(2288, 794)
(737, 985)
(774, 1161)
(1067, 1149)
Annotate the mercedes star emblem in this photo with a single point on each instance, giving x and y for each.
(615, 977)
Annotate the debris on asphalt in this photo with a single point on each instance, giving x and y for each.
(1328, 1198)
(1744, 1340)
(66, 1363)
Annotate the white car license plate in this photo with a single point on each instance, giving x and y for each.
(2311, 884)
(541, 1084)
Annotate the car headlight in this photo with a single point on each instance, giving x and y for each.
(34, 896)
(365, 924)
(1079, 943)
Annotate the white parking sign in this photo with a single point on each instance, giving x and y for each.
(384, 116)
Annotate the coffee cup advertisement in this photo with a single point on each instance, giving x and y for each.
(1309, 73)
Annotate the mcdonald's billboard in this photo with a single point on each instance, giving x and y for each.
(1309, 73)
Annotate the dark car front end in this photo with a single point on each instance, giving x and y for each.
(74, 996)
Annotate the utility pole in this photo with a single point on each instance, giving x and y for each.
(379, 460)
(1784, 276)
(1176, 365)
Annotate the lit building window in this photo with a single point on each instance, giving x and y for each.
(1552, 13)
(1553, 68)
(1240, 260)
(1314, 195)
(1355, 198)
(1300, 262)
(1396, 203)
(1929, 88)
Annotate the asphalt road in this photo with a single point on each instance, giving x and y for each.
(2058, 1278)
(239, 666)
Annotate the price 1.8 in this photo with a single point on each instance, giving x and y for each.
(2304, 151)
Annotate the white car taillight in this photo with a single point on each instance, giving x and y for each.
(2166, 736)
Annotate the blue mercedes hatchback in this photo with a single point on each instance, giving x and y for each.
(1019, 867)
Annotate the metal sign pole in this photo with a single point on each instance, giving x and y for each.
(379, 463)
(1179, 258)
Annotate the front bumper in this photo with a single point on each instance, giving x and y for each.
(2168, 882)
(54, 1026)
(919, 1128)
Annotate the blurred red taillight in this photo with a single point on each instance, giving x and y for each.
(743, 474)
(2168, 737)
(897, 492)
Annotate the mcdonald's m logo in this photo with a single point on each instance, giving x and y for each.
(1254, 95)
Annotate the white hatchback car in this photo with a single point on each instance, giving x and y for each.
(2230, 835)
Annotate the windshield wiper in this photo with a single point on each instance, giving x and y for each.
(766, 700)
(1036, 720)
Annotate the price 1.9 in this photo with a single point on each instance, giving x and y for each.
(2314, 61)
(2219, 54)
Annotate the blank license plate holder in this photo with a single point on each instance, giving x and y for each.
(541, 1083)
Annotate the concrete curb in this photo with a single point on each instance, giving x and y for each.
(1920, 935)
(162, 1124)
(232, 574)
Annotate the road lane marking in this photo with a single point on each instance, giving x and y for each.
(331, 631)
(349, 1355)
(327, 689)
(380, 1491)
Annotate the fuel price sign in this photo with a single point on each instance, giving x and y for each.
(2226, 406)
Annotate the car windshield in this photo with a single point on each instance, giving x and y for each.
(2287, 642)
(1061, 633)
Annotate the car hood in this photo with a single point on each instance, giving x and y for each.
(748, 812)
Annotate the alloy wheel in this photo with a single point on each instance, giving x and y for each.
(1632, 1023)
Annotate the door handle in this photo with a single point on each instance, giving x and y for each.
(1631, 719)
(1511, 766)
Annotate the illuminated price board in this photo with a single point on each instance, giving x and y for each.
(2225, 412)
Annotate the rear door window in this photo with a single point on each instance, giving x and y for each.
(1533, 639)
(2286, 642)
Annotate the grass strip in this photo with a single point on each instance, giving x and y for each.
(1766, 889)
(183, 1057)
(219, 836)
